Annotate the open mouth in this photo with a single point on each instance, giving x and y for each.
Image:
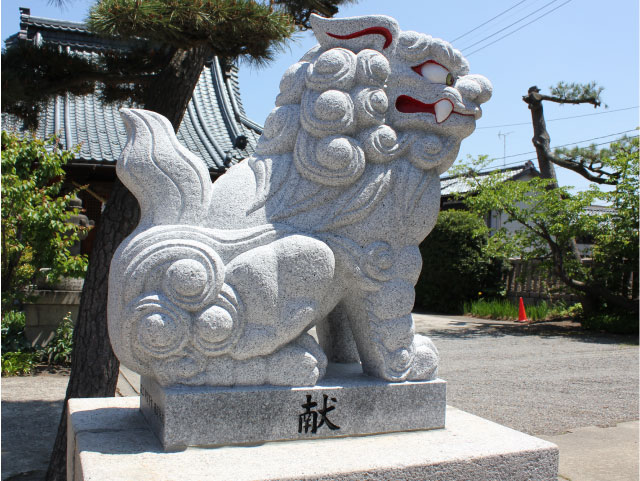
(442, 109)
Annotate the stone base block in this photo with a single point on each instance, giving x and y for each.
(109, 440)
(344, 403)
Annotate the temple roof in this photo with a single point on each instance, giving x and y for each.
(211, 127)
(458, 184)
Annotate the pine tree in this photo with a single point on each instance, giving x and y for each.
(577, 161)
(159, 50)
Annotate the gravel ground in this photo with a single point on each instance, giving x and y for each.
(542, 378)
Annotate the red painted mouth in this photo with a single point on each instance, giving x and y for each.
(442, 109)
(409, 105)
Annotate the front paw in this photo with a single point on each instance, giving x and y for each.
(425, 363)
(300, 363)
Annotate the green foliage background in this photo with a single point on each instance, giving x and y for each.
(19, 357)
(35, 232)
(550, 217)
(458, 263)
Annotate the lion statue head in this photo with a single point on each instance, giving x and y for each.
(371, 93)
(367, 96)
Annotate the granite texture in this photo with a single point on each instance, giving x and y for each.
(108, 440)
(343, 403)
(323, 222)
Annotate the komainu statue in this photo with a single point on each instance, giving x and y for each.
(220, 283)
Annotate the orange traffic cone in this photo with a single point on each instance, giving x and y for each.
(522, 314)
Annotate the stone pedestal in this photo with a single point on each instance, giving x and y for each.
(109, 440)
(344, 403)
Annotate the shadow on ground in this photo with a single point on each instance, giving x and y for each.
(564, 329)
(25, 450)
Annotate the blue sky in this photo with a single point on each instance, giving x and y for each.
(579, 41)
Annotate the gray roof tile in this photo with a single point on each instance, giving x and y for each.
(458, 185)
(211, 124)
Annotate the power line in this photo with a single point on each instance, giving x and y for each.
(559, 118)
(571, 143)
(511, 16)
(490, 20)
(519, 162)
(510, 25)
(594, 138)
(519, 28)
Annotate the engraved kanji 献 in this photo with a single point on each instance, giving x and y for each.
(312, 419)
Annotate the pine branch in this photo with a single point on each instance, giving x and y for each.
(32, 75)
(564, 96)
(230, 28)
(150, 34)
(301, 10)
(575, 93)
(587, 162)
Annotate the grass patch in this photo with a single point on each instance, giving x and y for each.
(505, 310)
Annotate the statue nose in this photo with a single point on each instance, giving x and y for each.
(476, 88)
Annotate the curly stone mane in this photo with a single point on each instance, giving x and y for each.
(330, 126)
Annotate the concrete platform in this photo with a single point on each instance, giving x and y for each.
(344, 403)
(110, 440)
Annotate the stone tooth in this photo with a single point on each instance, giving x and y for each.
(443, 109)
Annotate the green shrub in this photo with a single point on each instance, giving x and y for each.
(20, 357)
(613, 321)
(18, 363)
(456, 264)
(36, 232)
(58, 349)
(501, 309)
(12, 330)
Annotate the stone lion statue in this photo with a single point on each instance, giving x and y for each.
(220, 283)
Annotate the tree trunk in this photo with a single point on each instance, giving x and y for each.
(541, 140)
(542, 143)
(170, 91)
(94, 367)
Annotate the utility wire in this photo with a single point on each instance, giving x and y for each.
(517, 29)
(559, 118)
(559, 146)
(490, 20)
(510, 25)
(594, 138)
(520, 162)
(571, 143)
(511, 16)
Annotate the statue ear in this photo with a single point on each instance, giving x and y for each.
(376, 32)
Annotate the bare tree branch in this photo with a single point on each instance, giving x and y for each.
(541, 140)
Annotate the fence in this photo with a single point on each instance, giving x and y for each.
(523, 281)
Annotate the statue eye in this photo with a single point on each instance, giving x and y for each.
(434, 73)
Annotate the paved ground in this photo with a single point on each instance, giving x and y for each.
(31, 408)
(576, 389)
